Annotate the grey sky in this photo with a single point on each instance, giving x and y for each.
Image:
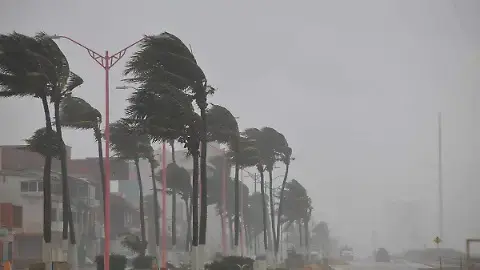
(355, 87)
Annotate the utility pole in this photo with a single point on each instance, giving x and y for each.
(440, 179)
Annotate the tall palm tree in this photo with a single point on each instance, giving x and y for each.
(165, 113)
(254, 215)
(298, 208)
(129, 144)
(150, 156)
(268, 142)
(77, 113)
(23, 73)
(286, 157)
(37, 67)
(321, 235)
(223, 128)
(62, 83)
(178, 181)
(157, 109)
(167, 59)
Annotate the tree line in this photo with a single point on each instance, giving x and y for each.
(169, 103)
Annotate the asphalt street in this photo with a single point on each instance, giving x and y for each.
(371, 265)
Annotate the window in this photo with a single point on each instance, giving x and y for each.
(24, 186)
(32, 186)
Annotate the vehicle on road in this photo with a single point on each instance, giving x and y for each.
(346, 253)
(382, 255)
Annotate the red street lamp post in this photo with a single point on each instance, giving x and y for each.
(106, 61)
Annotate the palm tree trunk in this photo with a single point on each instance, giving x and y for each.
(280, 206)
(307, 236)
(142, 211)
(101, 165)
(47, 171)
(174, 201)
(67, 211)
(230, 231)
(172, 146)
(155, 205)
(188, 211)
(237, 204)
(264, 206)
(272, 212)
(174, 216)
(300, 233)
(203, 178)
(195, 201)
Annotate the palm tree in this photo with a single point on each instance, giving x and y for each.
(178, 179)
(160, 114)
(254, 215)
(37, 67)
(268, 143)
(165, 58)
(298, 208)
(286, 157)
(166, 114)
(128, 144)
(223, 128)
(321, 235)
(76, 113)
(150, 156)
(178, 182)
(23, 73)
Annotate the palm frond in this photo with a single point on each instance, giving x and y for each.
(222, 125)
(127, 141)
(44, 143)
(76, 113)
(73, 82)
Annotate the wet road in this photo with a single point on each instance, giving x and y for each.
(370, 265)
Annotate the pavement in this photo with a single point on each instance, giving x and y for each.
(371, 265)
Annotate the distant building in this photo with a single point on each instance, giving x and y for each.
(22, 184)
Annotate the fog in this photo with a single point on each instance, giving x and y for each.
(355, 86)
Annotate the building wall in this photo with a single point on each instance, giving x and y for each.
(16, 157)
(32, 204)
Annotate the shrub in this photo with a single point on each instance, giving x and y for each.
(143, 262)
(117, 262)
(231, 263)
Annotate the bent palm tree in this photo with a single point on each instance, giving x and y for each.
(223, 128)
(62, 82)
(24, 73)
(165, 58)
(36, 66)
(286, 159)
(270, 144)
(149, 154)
(298, 208)
(128, 144)
(76, 113)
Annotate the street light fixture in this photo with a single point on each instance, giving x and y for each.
(106, 61)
